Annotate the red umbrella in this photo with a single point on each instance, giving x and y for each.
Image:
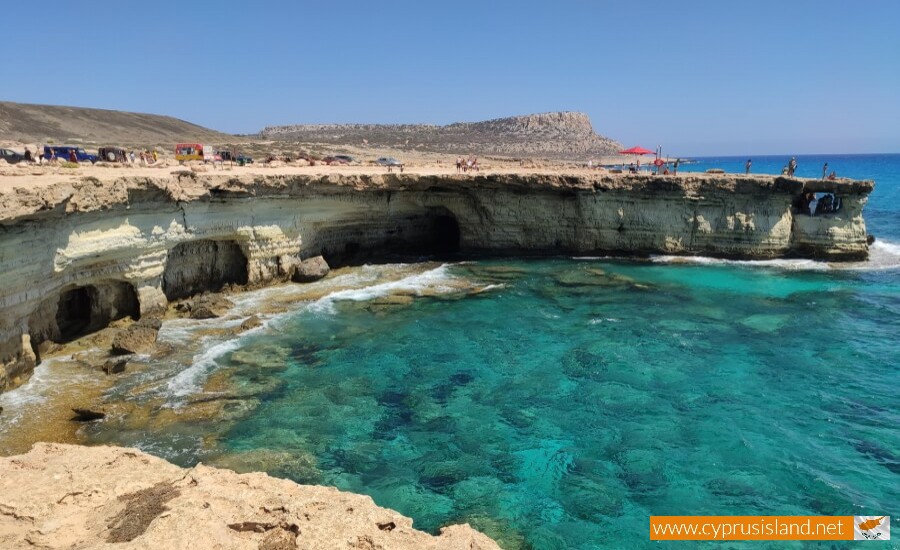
(637, 151)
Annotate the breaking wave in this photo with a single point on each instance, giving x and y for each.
(433, 280)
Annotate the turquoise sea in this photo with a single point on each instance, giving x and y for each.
(558, 403)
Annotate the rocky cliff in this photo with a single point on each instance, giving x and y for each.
(563, 135)
(76, 256)
(65, 496)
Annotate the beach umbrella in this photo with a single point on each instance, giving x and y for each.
(636, 150)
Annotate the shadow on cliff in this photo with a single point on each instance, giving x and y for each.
(434, 235)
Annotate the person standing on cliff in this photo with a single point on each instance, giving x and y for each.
(792, 166)
(675, 167)
(824, 170)
(748, 165)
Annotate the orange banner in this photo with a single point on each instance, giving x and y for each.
(751, 528)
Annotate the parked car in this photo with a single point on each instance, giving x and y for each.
(347, 159)
(239, 158)
(113, 154)
(334, 159)
(388, 161)
(11, 156)
(63, 152)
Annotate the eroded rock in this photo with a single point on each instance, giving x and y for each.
(118, 495)
(135, 339)
(115, 365)
(311, 269)
(251, 322)
(205, 306)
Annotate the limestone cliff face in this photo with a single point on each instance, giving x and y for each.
(66, 496)
(75, 257)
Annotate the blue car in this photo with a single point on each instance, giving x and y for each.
(63, 152)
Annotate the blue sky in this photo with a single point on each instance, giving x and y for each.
(695, 77)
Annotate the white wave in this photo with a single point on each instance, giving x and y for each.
(433, 279)
(183, 331)
(883, 255)
(597, 320)
(886, 247)
(490, 287)
(781, 263)
(46, 379)
(188, 381)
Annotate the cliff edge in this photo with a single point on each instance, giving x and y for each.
(77, 255)
(67, 496)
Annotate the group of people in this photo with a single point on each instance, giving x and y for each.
(791, 167)
(465, 165)
(808, 204)
(147, 157)
(39, 158)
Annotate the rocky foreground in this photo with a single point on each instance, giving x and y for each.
(67, 496)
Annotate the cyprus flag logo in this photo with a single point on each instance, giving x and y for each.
(871, 528)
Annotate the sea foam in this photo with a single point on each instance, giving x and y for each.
(433, 280)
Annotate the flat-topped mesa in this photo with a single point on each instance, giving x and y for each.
(560, 135)
(74, 257)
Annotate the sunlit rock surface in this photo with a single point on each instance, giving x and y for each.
(67, 496)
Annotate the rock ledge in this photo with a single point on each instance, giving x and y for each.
(67, 496)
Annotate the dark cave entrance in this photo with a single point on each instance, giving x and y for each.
(73, 314)
(445, 235)
(203, 265)
(430, 234)
(84, 309)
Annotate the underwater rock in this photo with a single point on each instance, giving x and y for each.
(251, 322)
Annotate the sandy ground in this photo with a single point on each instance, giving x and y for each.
(422, 163)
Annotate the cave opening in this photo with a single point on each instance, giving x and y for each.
(432, 233)
(204, 265)
(445, 235)
(73, 313)
(84, 309)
